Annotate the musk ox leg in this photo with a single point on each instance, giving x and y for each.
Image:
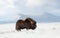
(18, 28)
(27, 28)
(34, 27)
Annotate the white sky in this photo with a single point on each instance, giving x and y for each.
(5, 6)
(34, 2)
(8, 7)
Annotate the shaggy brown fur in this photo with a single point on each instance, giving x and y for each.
(28, 23)
(32, 23)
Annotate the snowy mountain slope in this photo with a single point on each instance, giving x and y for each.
(43, 30)
(46, 17)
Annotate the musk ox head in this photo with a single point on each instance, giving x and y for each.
(32, 22)
(28, 23)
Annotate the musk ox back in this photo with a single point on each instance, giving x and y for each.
(28, 23)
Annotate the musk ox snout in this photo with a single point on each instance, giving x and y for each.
(28, 23)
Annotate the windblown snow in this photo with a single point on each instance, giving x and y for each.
(43, 30)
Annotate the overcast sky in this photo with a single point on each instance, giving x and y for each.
(9, 8)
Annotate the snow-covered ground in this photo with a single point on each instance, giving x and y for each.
(43, 30)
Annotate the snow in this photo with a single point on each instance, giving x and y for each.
(43, 30)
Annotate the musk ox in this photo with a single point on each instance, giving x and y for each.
(28, 23)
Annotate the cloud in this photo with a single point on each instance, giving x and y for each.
(6, 8)
(39, 7)
(34, 2)
(30, 7)
(53, 7)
